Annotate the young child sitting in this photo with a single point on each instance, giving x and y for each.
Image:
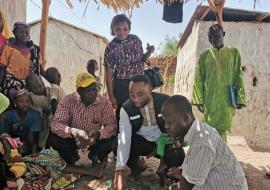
(56, 92)
(23, 122)
(41, 102)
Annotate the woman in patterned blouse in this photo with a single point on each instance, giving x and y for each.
(124, 59)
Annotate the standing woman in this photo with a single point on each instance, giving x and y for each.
(20, 55)
(124, 59)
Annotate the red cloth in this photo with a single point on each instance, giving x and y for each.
(72, 113)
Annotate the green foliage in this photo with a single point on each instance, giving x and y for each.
(169, 46)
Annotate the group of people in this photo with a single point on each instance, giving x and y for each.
(133, 122)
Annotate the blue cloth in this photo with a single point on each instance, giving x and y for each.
(16, 127)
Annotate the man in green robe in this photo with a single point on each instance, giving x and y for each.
(219, 69)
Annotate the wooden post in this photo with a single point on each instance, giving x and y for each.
(43, 30)
(169, 61)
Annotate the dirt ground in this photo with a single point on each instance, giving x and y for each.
(255, 164)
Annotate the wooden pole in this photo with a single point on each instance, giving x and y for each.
(43, 30)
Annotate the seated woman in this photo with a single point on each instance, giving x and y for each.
(20, 55)
(23, 122)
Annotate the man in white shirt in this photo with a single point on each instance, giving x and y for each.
(209, 163)
(140, 126)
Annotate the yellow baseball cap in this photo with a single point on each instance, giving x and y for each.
(84, 80)
(4, 103)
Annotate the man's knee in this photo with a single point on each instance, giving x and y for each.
(66, 148)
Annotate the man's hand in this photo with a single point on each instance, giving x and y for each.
(150, 48)
(119, 181)
(174, 172)
(79, 133)
(82, 139)
(93, 138)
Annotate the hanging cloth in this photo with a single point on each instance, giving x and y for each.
(173, 12)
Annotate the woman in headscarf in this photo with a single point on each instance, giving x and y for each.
(20, 55)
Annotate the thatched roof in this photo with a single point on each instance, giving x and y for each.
(127, 4)
(120, 4)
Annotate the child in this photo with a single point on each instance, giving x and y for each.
(41, 102)
(23, 122)
(56, 92)
(92, 67)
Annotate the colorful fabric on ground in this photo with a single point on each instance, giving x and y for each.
(11, 156)
(18, 169)
(45, 166)
(215, 73)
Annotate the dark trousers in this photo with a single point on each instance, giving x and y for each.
(173, 157)
(121, 94)
(68, 149)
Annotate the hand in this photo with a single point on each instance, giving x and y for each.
(113, 101)
(119, 181)
(150, 48)
(174, 172)
(81, 138)
(78, 133)
(93, 138)
(91, 141)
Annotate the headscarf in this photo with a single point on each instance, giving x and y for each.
(19, 25)
(16, 93)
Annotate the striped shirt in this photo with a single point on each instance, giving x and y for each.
(72, 113)
(209, 163)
